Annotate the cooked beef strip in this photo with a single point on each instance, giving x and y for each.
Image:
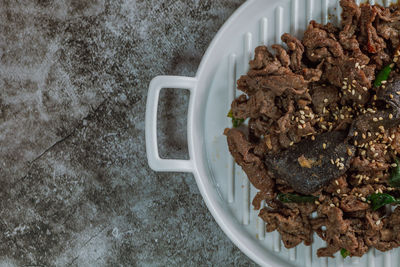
(296, 49)
(243, 152)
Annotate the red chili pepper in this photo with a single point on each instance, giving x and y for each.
(371, 48)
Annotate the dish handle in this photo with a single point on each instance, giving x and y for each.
(158, 83)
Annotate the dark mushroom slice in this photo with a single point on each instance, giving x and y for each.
(310, 165)
(390, 94)
(388, 115)
(367, 126)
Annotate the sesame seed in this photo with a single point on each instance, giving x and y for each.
(332, 205)
(392, 136)
(372, 149)
(291, 143)
(395, 59)
(341, 158)
(337, 160)
(353, 92)
(317, 202)
(376, 180)
(302, 122)
(383, 82)
(341, 167)
(375, 155)
(369, 134)
(363, 199)
(346, 79)
(357, 64)
(338, 191)
(394, 165)
(390, 116)
(325, 100)
(299, 127)
(380, 118)
(297, 119)
(336, 182)
(365, 88)
(375, 97)
(363, 152)
(375, 119)
(324, 146)
(378, 222)
(398, 92)
(364, 136)
(333, 164)
(313, 137)
(353, 81)
(349, 152)
(301, 112)
(355, 133)
(390, 95)
(391, 65)
(355, 142)
(303, 117)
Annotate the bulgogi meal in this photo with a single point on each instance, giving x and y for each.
(323, 132)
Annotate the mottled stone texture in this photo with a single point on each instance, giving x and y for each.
(75, 187)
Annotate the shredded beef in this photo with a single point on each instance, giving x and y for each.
(317, 125)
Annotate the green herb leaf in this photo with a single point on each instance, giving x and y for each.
(381, 199)
(344, 252)
(395, 175)
(289, 198)
(236, 122)
(382, 75)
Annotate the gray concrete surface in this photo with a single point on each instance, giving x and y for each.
(75, 187)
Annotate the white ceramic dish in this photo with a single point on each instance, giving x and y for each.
(224, 186)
